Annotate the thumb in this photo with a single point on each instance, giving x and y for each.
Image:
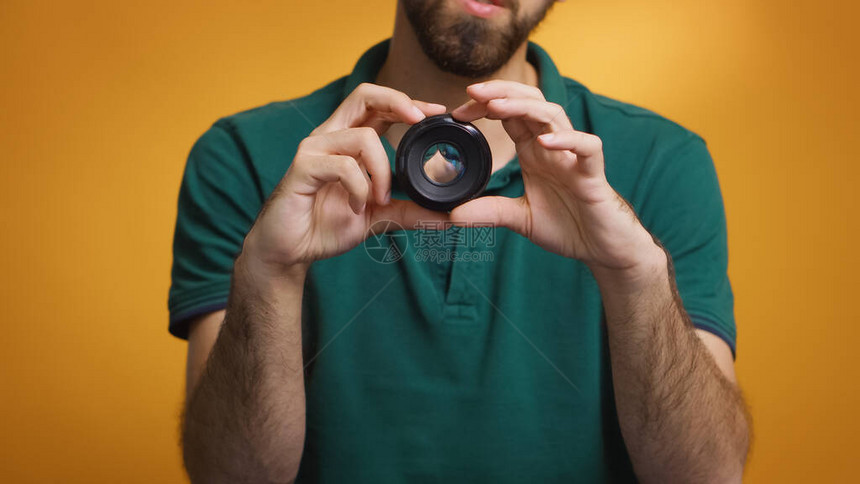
(512, 213)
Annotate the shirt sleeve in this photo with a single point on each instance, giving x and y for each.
(218, 202)
(683, 208)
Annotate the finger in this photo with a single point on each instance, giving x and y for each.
(587, 147)
(470, 111)
(534, 116)
(406, 214)
(312, 172)
(484, 91)
(499, 211)
(364, 145)
(382, 121)
(430, 109)
(585, 144)
(550, 116)
(366, 100)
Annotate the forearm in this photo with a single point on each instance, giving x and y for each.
(681, 418)
(245, 421)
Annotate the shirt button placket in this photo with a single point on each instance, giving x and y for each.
(462, 297)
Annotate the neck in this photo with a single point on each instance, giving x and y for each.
(409, 70)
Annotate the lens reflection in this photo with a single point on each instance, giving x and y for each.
(442, 163)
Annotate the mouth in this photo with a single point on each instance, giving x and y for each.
(483, 8)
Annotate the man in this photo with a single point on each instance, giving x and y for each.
(569, 356)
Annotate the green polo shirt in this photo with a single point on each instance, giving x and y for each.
(468, 354)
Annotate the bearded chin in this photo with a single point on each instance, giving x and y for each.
(467, 47)
(473, 49)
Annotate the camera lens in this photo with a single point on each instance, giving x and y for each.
(442, 162)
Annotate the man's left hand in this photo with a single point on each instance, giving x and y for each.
(568, 207)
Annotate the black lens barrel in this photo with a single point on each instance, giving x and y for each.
(474, 152)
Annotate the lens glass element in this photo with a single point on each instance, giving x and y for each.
(443, 163)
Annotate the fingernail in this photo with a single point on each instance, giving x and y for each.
(547, 137)
(418, 112)
(387, 197)
(479, 85)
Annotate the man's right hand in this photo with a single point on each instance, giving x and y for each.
(338, 188)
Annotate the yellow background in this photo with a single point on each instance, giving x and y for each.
(101, 101)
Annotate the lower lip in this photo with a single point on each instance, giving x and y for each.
(478, 9)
